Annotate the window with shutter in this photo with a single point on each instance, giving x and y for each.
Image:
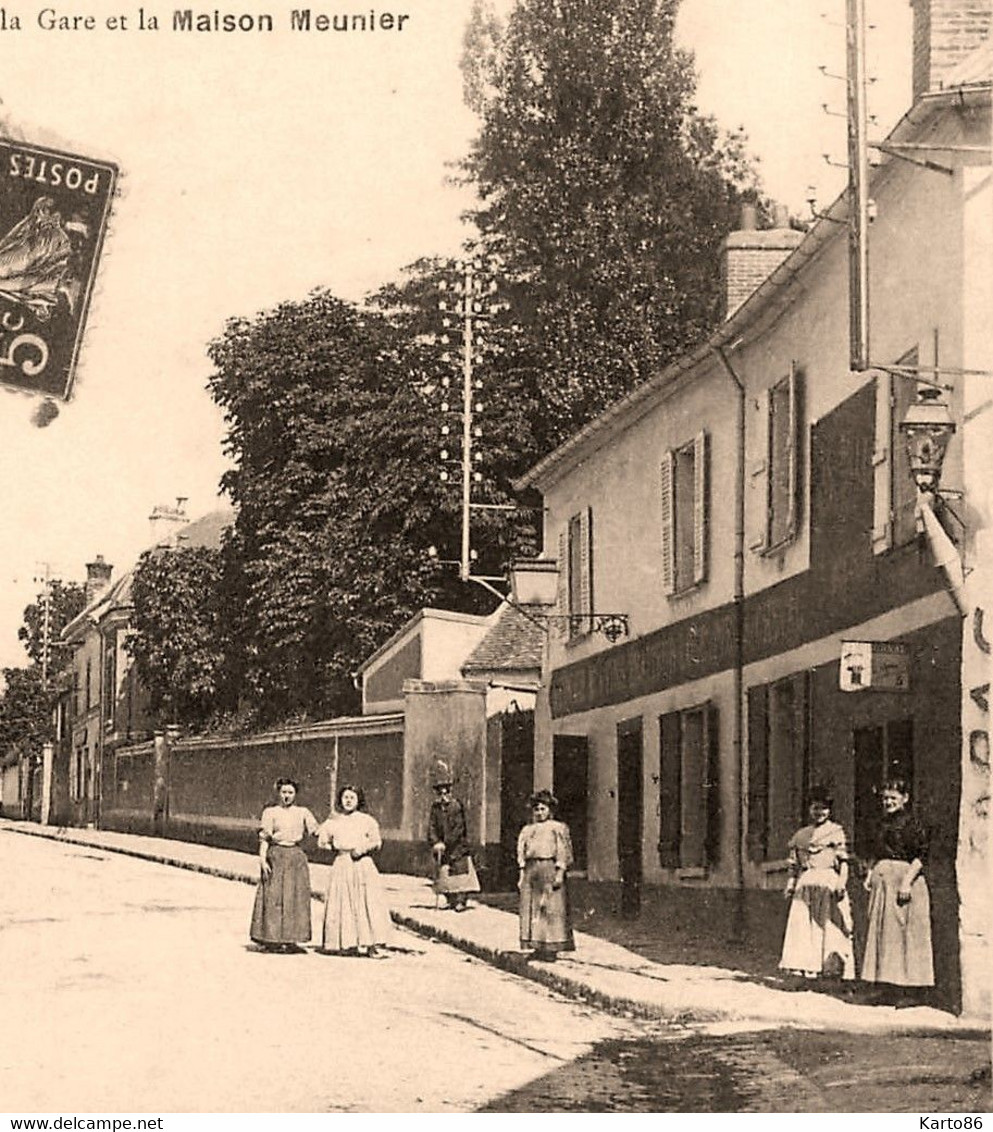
(689, 816)
(578, 556)
(685, 531)
(668, 507)
(669, 790)
(785, 452)
(894, 511)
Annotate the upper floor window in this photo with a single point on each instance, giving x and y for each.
(894, 509)
(576, 573)
(684, 498)
(110, 680)
(781, 466)
(89, 685)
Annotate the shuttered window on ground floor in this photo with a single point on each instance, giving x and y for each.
(778, 764)
(689, 801)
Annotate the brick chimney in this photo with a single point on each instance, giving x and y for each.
(752, 254)
(165, 522)
(945, 32)
(97, 578)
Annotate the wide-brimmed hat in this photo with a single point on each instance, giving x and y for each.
(441, 774)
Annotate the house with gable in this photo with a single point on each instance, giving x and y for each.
(751, 510)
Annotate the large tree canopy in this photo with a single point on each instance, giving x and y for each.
(336, 484)
(603, 189)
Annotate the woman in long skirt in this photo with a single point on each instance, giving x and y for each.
(818, 939)
(356, 915)
(281, 917)
(898, 943)
(544, 854)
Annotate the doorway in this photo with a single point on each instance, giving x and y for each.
(881, 752)
(570, 784)
(630, 790)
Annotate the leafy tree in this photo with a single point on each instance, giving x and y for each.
(65, 603)
(338, 497)
(604, 190)
(25, 711)
(179, 635)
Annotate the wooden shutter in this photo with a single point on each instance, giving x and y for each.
(712, 838)
(882, 466)
(801, 744)
(586, 568)
(795, 452)
(670, 780)
(667, 501)
(701, 517)
(761, 479)
(561, 624)
(758, 772)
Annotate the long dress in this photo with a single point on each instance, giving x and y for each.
(546, 924)
(356, 915)
(282, 902)
(456, 872)
(818, 937)
(898, 942)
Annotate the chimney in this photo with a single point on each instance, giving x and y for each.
(97, 578)
(945, 32)
(752, 254)
(165, 522)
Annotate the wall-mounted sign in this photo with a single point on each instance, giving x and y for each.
(878, 666)
(53, 215)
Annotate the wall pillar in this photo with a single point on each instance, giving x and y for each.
(47, 762)
(160, 783)
(445, 719)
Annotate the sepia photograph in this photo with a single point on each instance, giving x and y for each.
(496, 559)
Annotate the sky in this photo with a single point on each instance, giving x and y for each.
(256, 167)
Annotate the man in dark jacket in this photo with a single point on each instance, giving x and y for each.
(448, 833)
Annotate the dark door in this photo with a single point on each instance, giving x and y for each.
(513, 732)
(629, 814)
(570, 784)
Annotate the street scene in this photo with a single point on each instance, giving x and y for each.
(194, 1013)
(496, 586)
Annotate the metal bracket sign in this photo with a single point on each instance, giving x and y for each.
(878, 666)
(54, 208)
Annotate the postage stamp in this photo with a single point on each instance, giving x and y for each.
(54, 208)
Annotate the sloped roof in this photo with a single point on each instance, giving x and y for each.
(204, 532)
(513, 644)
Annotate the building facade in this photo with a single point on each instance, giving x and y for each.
(752, 511)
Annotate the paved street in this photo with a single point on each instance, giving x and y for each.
(131, 986)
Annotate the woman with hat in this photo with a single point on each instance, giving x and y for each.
(281, 917)
(544, 853)
(448, 832)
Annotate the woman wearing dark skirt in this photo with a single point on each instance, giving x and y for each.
(281, 917)
(544, 853)
(898, 943)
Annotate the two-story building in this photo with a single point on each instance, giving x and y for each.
(102, 704)
(751, 510)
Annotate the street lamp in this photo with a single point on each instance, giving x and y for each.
(534, 582)
(927, 429)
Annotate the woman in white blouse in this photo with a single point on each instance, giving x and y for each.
(356, 915)
(281, 917)
(544, 854)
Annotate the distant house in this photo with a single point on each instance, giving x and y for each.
(102, 704)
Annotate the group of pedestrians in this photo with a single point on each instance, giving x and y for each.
(819, 928)
(356, 914)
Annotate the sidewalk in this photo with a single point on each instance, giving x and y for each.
(599, 972)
